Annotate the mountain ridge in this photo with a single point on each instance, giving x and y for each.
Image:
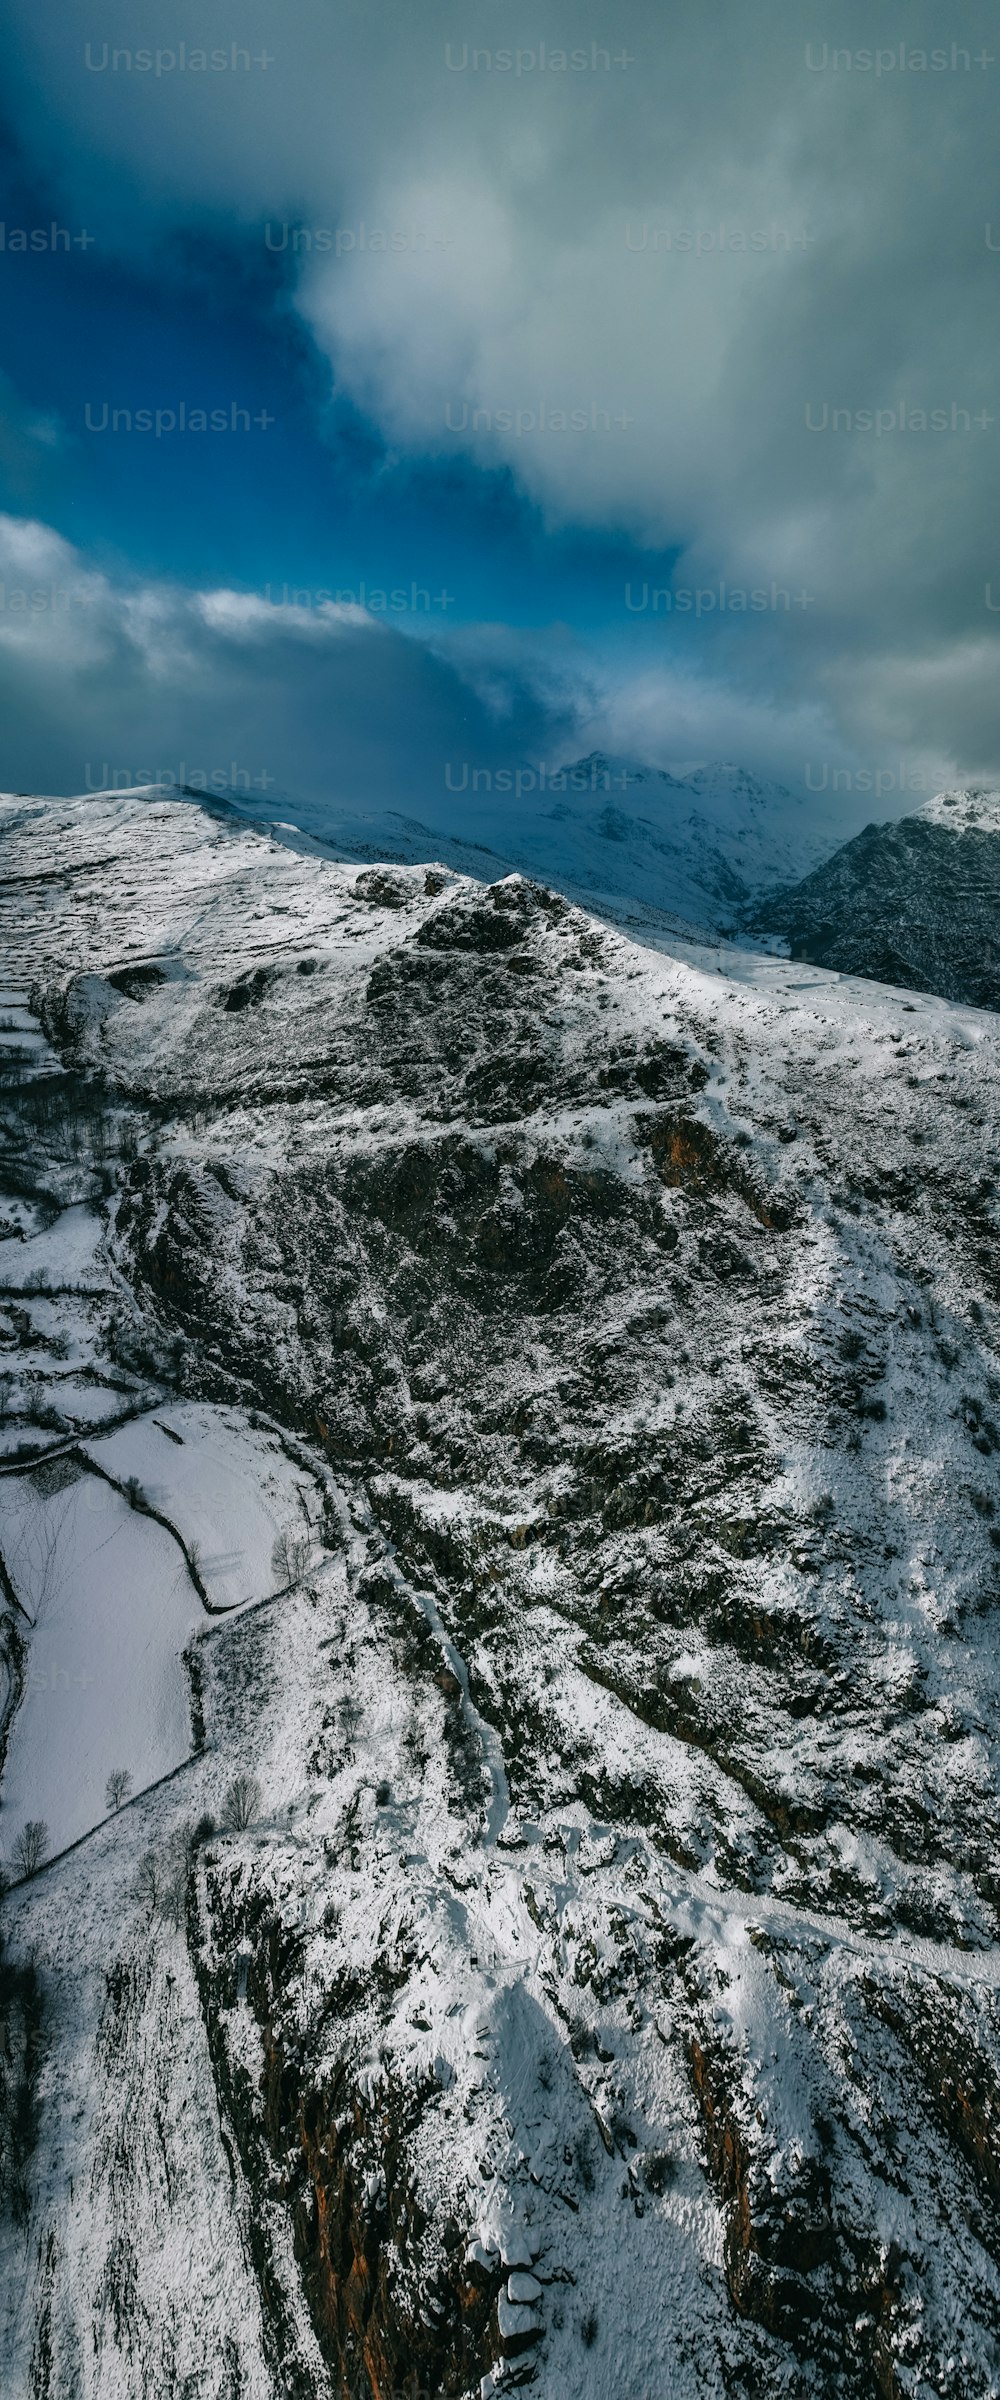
(628, 840)
(601, 1981)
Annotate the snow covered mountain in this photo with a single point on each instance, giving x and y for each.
(915, 903)
(499, 1447)
(630, 841)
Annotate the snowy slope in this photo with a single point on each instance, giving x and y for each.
(628, 840)
(606, 1989)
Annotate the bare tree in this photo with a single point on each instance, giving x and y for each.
(31, 1845)
(34, 1558)
(174, 1879)
(242, 1802)
(290, 1556)
(148, 1879)
(117, 1787)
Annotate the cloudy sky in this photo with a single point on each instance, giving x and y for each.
(387, 386)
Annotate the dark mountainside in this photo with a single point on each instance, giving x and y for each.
(916, 903)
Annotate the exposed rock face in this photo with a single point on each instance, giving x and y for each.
(914, 903)
(620, 1921)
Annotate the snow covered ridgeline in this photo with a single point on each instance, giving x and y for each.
(643, 1317)
(630, 841)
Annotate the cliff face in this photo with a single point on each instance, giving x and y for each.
(915, 903)
(605, 1986)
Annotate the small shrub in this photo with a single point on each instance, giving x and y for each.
(659, 2172)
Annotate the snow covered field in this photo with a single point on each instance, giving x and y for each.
(61, 1256)
(113, 1608)
(229, 1488)
(112, 1602)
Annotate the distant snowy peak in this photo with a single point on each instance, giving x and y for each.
(604, 770)
(760, 831)
(717, 785)
(721, 783)
(972, 809)
(719, 792)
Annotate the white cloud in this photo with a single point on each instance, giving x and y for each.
(244, 616)
(334, 701)
(535, 223)
(330, 700)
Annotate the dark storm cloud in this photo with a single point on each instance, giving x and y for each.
(101, 683)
